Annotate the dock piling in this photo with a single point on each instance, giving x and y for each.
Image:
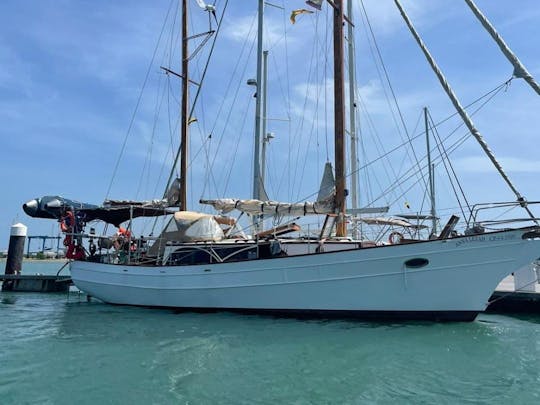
(15, 253)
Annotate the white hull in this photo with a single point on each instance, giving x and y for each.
(457, 282)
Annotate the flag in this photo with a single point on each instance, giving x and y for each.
(315, 3)
(297, 12)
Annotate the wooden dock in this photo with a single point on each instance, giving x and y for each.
(35, 283)
(506, 299)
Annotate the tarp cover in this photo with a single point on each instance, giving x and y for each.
(188, 226)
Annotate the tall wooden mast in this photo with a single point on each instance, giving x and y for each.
(185, 109)
(339, 117)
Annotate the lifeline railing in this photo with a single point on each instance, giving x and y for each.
(481, 208)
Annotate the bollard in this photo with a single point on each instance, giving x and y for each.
(16, 249)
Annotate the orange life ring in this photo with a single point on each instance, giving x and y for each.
(395, 238)
(67, 222)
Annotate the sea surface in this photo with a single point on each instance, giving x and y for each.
(61, 349)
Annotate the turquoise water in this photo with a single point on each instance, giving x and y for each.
(63, 350)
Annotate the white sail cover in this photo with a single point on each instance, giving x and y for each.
(257, 207)
(390, 222)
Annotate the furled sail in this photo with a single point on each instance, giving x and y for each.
(328, 183)
(173, 193)
(258, 207)
(389, 221)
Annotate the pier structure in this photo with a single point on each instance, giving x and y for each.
(13, 280)
(44, 239)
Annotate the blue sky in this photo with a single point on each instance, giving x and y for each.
(71, 73)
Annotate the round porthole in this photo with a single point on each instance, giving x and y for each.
(416, 263)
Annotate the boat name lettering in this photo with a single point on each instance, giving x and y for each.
(470, 239)
(493, 238)
(484, 238)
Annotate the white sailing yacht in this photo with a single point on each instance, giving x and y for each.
(194, 265)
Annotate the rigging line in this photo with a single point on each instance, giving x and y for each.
(167, 53)
(510, 209)
(236, 67)
(374, 127)
(374, 175)
(382, 81)
(455, 102)
(216, 35)
(211, 52)
(388, 168)
(317, 130)
(288, 113)
(115, 170)
(229, 114)
(391, 88)
(436, 161)
(172, 130)
(172, 39)
(238, 139)
(440, 159)
(200, 122)
(171, 91)
(363, 152)
(380, 76)
(421, 169)
(451, 148)
(308, 144)
(172, 149)
(496, 90)
(449, 162)
(327, 46)
(229, 85)
(148, 159)
(287, 71)
(299, 133)
(445, 159)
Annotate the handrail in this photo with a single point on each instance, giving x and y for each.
(476, 209)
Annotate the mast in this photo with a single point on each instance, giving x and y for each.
(352, 106)
(461, 111)
(257, 195)
(263, 131)
(184, 109)
(258, 106)
(519, 70)
(339, 117)
(431, 177)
